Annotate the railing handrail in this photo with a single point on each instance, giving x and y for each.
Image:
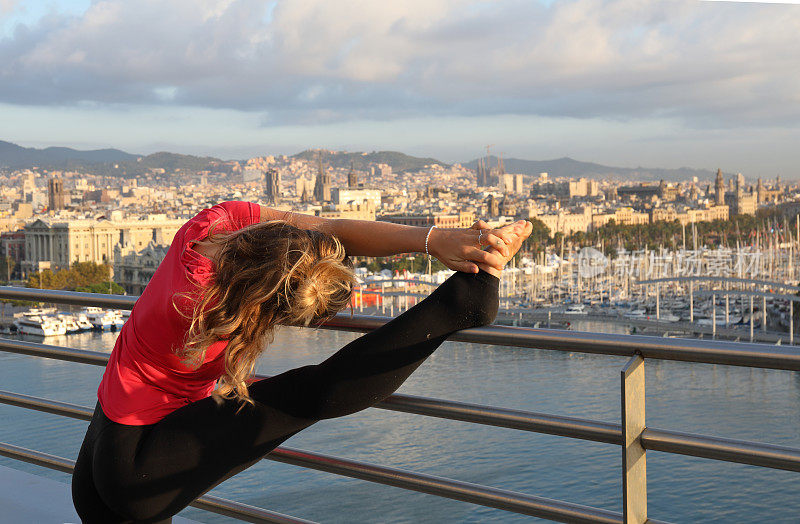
(688, 350)
(76, 298)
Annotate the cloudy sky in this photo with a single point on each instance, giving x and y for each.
(621, 82)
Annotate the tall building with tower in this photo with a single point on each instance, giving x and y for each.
(482, 172)
(352, 179)
(719, 185)
(272, 185)
(488, 175)
(56, 197)
(322, 187)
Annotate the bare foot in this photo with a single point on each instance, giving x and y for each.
(513, 236)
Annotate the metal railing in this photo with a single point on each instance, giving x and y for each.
(632, 434)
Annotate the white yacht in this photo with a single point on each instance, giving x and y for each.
(576, 309)
(668, 317)
(38, 325)
(83, 322)
(40, 311)
(70, 323)
(100, 319)
(119, 319)
(709, 322)
(636, 314)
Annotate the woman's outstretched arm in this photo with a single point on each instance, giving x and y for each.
(458, 249)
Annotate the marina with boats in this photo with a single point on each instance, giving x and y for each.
(745, 293)
(48, 322)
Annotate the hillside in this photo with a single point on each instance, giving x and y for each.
(99, 161)
(568, 167)
(171, 162)
(14, 156)
(398, 161)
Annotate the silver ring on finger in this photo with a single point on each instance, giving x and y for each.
(480, 234)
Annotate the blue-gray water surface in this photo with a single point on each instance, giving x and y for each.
(741, 403)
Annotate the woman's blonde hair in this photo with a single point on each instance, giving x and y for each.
(267, 274)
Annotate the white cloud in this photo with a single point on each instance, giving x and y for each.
(710, 64)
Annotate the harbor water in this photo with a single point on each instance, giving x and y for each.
(741, 403)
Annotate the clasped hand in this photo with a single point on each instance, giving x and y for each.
(463, 249)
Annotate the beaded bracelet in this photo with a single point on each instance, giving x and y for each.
(426, 240)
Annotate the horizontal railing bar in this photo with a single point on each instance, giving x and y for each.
(54, 407)
(75, 298)
(706, 351)
(229, 508)
(681, 349)
(506, 418)
(244, 512)
(444, 487)
(718, 448)
(37, 458)
(35, 349)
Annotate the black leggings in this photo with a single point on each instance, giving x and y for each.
(149, 473)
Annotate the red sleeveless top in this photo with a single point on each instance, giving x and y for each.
(145, 379)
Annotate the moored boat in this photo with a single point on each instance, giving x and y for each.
(576, 309)
(70, 323)
(83, 322)
(100, 319)
(39, 325)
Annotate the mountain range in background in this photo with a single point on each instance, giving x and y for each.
(120, 163)
(99, 161)
(14, 156)
(568, 167)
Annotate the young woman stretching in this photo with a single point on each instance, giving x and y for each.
(162, 435)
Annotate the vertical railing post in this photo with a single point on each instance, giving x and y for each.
(634, 464)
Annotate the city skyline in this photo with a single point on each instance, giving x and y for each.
(700, 84)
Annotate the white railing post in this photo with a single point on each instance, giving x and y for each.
(634, 463)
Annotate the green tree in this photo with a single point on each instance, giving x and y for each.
(81, 276)
(88, 273)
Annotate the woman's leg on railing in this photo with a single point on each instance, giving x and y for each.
(149, 473)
